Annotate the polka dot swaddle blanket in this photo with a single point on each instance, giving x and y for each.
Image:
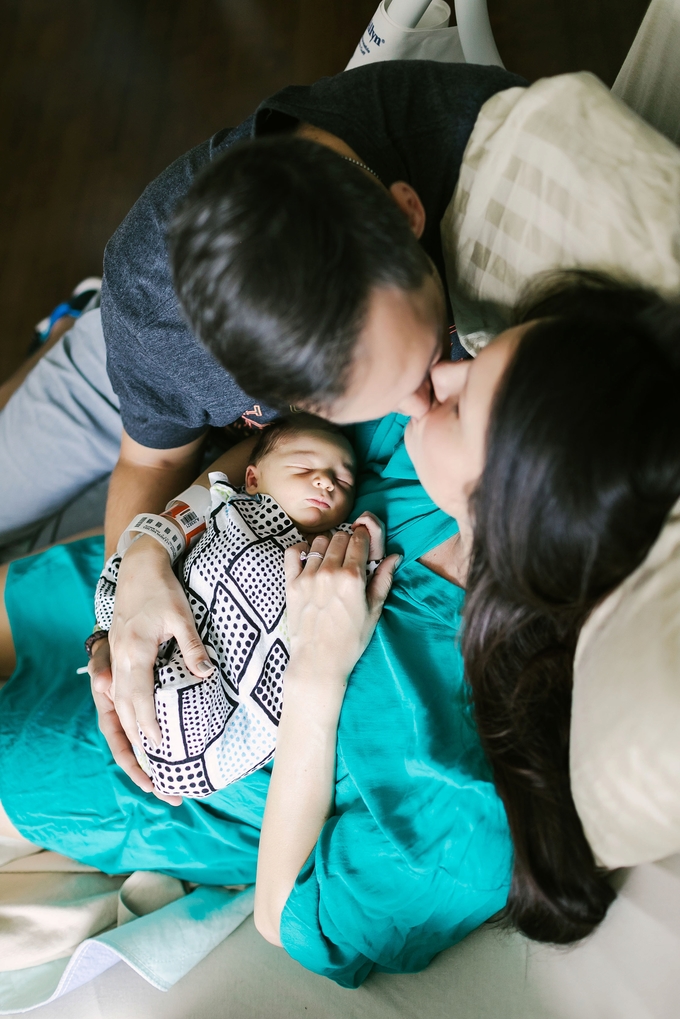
(218, 730)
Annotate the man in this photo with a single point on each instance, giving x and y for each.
(398, 131)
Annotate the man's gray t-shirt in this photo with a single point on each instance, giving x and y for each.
(407, 120)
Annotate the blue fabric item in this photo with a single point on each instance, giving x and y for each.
(418, 852)
(58, 781)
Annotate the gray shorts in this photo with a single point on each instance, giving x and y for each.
(59, 441)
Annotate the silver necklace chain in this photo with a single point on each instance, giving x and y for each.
(358, 163)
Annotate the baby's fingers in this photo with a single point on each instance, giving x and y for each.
(380, 585)
(376, 533)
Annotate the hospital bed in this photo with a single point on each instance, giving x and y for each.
(627, 970)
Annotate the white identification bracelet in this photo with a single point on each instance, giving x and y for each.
(165, 531)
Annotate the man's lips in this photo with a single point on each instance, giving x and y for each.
(321, 503)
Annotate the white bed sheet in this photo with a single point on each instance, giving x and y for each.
(627, 970)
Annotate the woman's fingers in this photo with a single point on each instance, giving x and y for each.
(100, 668)
(113, 733)
(174, 801)
(318, 553)
(293, 564)
(356, 552)
(125, 709)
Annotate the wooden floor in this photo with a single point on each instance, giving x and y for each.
(98, 96)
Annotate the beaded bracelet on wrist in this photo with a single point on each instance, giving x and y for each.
(92, 640)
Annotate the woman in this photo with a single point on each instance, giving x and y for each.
(581, 468)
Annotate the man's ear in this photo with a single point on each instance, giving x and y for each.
(410, 204)
(252, 479)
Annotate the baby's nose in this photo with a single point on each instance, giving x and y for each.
(323, 480)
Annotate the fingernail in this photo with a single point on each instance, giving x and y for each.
(399, 561)
(205, 667)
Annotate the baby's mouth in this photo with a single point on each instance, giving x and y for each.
(321, 503)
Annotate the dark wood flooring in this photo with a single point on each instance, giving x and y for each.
(98, 96)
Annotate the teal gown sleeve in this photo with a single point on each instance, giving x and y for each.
(418, 852)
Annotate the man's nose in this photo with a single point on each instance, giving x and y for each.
(418, 403)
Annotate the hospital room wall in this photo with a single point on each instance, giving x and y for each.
(97, 96)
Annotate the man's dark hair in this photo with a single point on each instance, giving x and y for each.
(275, 252)
(292, 424)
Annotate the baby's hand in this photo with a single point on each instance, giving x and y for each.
(376, 533)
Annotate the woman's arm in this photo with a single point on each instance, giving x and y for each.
(331, 618)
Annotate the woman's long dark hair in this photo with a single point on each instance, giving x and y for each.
(583, 466)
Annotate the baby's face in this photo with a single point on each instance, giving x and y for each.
(311, 475)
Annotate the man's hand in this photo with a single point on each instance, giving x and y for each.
(150, 608)
(150, 605)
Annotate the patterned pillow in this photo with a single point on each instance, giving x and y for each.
(558, 175)
(625, 728)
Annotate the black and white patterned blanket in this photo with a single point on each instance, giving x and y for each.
(220, 729)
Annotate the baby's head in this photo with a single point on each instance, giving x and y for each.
(307, 465)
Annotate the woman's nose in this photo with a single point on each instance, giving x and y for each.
(448, 378)
(418, 403)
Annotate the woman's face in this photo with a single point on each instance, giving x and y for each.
(447, 443)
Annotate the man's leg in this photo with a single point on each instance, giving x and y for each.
(59, 434)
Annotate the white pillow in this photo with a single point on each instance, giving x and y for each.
(625, 728)
(558, 175)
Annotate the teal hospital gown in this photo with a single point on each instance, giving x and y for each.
(417, 853)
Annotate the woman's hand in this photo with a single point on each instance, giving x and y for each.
(109, 723)
(332, 614)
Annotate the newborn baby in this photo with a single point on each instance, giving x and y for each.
(300, 482)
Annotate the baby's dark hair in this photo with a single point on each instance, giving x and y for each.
(291, 424)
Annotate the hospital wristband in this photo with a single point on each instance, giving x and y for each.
(189, 519)
(163, 529)
(183, 520)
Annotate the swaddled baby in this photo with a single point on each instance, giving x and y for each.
(300, 482)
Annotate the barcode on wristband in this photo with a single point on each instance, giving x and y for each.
(188, 519)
